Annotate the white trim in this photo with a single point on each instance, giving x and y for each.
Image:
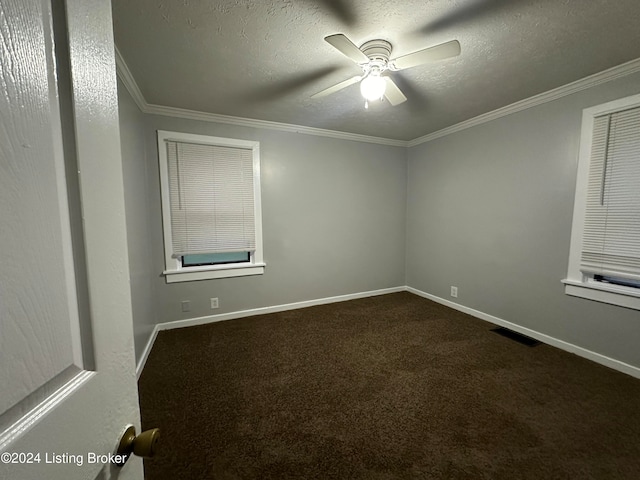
(580, 198)
(578, 284)
(257, 257)
(613, 73)
(58, 156)
(562, 345)
(174, 271)
(608, 75)
(209, 273)
(225, 266)
(124, 74)
(190, 322)
(267, 124)
(614, 106)
(42, 409)
(147, 350)
(607, 287)
(129, 82)
(606, 293)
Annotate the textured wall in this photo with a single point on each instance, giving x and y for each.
(490, 210)
(333, 221)
(139, 234)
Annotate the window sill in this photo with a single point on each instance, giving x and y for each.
(612, 294)
(191, 274)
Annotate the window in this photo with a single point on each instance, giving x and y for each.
(604, 263)
(211, 210)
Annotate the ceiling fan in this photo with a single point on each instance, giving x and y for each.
(373, 58)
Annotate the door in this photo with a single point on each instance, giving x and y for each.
(67, 381)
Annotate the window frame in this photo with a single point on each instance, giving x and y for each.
(174, 271)
(578, 283)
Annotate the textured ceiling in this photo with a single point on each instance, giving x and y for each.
(264, 59)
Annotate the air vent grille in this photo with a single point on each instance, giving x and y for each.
(515, 336)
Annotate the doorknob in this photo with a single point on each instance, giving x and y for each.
(143, 445)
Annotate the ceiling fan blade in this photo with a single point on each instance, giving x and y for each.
(471, 11)
(337, 87)
(282, 88)
(393, 93)
(431, 54)
(342, 9)
(346, 47)
(419, 98)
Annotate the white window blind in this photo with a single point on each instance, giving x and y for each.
(611, 238)
(211, 198)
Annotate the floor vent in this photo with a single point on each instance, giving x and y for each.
(518, 337)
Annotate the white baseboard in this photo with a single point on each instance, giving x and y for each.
(562, 345)
(147, 351)
(191, 322)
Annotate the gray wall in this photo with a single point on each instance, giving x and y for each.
(139, 233)
(489, 209)
(333, 221)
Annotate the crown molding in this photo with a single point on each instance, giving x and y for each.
(266, 124)
(124, 74)
(613, 73)
(129, 82)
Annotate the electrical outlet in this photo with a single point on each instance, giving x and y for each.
(214, 303)
(186, 306)
(454, 291)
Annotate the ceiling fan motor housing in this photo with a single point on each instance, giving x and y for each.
(377, 50)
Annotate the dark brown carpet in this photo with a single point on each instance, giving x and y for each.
(386, 387)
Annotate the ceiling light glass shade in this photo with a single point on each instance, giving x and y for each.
(373, 87)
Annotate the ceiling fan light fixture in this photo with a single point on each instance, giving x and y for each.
(373, 87)
(373, 57)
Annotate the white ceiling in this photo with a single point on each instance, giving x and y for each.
(264, 59)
